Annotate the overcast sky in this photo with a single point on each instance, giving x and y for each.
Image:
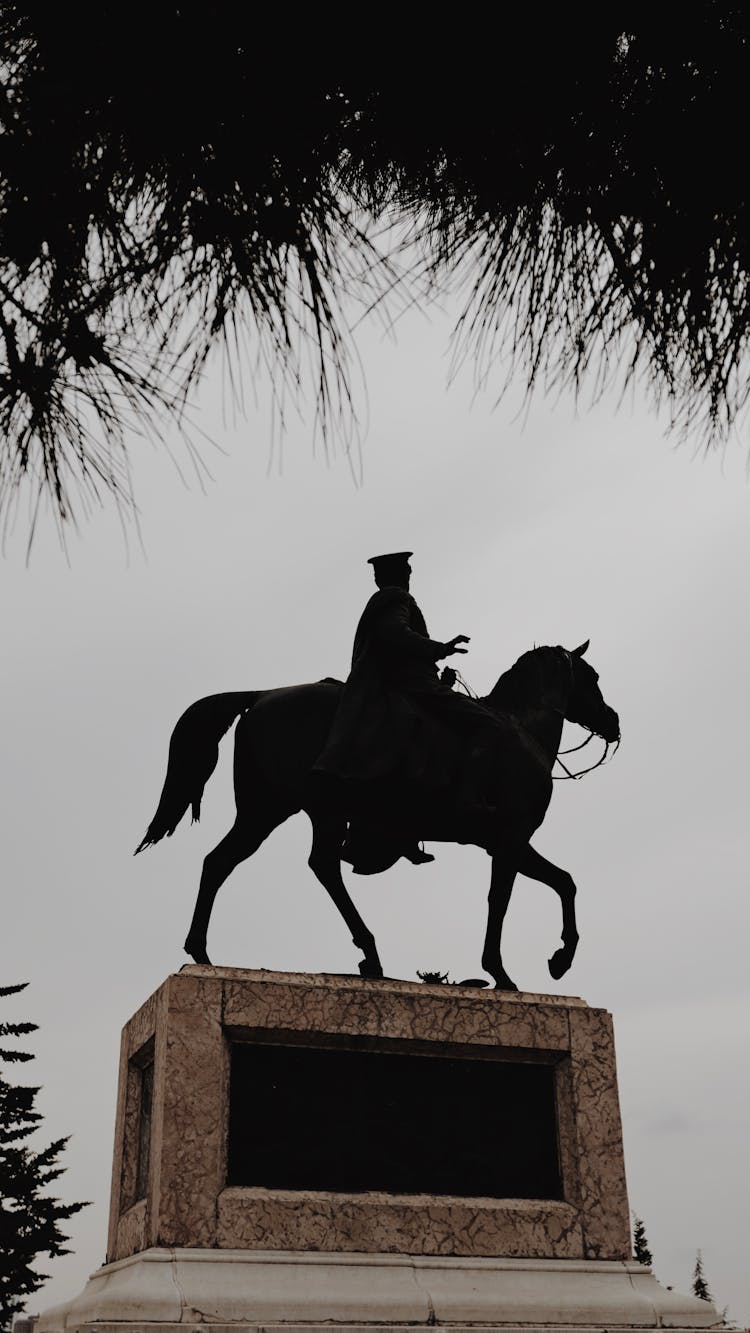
(551, 528)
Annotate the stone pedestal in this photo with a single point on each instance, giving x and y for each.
(307, 1150)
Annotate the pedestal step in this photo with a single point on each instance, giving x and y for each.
(170, 1290)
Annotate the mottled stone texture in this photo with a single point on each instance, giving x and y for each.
(195, 1099)
(398, 1224)
(601, 1168)
(129, 1229)
(189, 1024)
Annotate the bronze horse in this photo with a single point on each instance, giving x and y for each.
(280, 734)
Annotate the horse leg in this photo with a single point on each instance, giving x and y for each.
(240, 842)
(504, 864)
(325, 863)
(538, 867)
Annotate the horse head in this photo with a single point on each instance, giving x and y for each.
(586, 704)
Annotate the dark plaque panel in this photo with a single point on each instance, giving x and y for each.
(145, 1116)
(329, 1119)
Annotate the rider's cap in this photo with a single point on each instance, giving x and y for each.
(383, 565)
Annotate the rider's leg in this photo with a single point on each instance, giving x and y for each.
(384, 826)
(371, 850)
(416, 853)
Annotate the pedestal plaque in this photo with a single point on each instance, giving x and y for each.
(304, 1149)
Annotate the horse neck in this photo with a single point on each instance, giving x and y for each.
(535, 691)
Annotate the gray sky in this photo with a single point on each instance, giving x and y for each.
(547, 529)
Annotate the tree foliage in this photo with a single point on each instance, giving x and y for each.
(700, 1285)
(171, 180)
(29, 1218)
(641, 1252)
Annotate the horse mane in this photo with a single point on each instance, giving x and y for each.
(512, 688)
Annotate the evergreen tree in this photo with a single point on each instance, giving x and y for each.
(133, 240)
(641, 1251)
(29, 1218)
(700, 1285)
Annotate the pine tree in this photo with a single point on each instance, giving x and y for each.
(264, 239)
(700, 1285)
(29, 1218)
(641, 1251)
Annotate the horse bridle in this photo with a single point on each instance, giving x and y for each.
(566, 774)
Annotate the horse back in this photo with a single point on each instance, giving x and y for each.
(279, 739)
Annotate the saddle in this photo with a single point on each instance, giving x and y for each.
(445, 779)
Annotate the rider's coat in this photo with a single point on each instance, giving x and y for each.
(396, 718)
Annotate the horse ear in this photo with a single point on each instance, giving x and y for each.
(581, 649)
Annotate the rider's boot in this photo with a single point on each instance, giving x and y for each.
(371, 851)
(416, 853)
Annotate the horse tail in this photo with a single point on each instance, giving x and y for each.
(193, 755)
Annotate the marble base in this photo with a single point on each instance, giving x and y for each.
(181, 1195)
(197, 1243)
(171, 1289)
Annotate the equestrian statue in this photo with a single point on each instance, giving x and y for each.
(391, 758)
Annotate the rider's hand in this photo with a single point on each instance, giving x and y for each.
(452, 647)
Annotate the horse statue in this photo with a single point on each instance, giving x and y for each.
(282, 731)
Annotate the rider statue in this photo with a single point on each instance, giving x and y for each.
(398, 720)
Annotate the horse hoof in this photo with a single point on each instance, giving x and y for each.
(558, 964)
(197, 952)
(372, 971)
(504, 983)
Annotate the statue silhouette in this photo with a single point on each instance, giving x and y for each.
(295, 749)
(392, 719)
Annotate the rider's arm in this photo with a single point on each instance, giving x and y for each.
(392, 627)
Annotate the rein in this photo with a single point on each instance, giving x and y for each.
(464, 684)
(566, 774)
